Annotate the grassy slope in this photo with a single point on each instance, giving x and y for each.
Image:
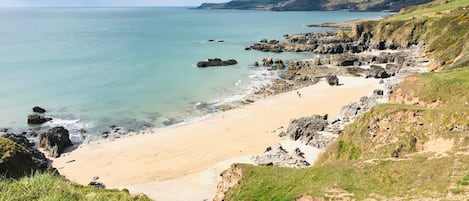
(364, 166)
(442, 25)
(381, 154)
(49, 187)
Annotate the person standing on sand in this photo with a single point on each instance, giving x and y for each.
(298, 93)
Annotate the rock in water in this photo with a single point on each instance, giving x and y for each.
(216, 62)
(20, 158)
(332, 80)
(55, 140)
(39, 110)
(37, 119)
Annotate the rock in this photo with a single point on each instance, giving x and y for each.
(278, 156)
(37, 119)
(378, 92)
(216, 62)
(332, 80)
(267, 61)
(355, 109)
(3, 130)
(221, 41)
(39, 110)
(255, 64)
(263, 41)
(20, 158)
(247, 48)
(55, 140)
(377, 72)
(171, 121)
(211, 40)
(282, 134)
(306, 125)
(95, 183)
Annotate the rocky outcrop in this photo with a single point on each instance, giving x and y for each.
(39, 110)
(355, 109)
(216, 62)
(55, 140)
(19, 157)
(278, 156)
(36, 119)
(309, 130)
(230, 178)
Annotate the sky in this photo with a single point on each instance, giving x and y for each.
(92, 3)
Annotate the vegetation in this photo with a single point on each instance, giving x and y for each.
(50, 187)
(381, 154)
(442, 25)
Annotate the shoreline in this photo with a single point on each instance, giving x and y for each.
(181, 150)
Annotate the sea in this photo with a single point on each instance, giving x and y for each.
(135, 68)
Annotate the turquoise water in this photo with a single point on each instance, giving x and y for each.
(96, 67)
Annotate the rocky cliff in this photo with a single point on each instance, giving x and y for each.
(307, 5)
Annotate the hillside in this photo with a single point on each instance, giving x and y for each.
(307, 5)
(413, 148)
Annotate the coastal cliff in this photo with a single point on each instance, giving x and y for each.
(414, 147)
(308, 5)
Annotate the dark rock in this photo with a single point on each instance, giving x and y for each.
(247, 49)
(211, 40)
(37, 119)
(378, 92)
(216, 62)
(332, 80)
(282, 134)
(255, 64)
(38, 109)
(20, 158)
(3, 130)
(55, 140)
(221, 41)
(377, 72)
(95, 183)
(263, 41)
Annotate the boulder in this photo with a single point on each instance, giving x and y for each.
(278, 156)
(55, 140)
(377, 72)
(39, 110)
(378, 92)
(37, 119)
(332, 80)
(20, 158)
(216, 62)
(267, 61)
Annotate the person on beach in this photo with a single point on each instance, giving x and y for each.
(298, 93)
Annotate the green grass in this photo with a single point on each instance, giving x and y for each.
(388, 178)
(430, 9)
(50, 187)
(361, 162)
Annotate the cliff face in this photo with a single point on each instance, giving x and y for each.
(306, 5)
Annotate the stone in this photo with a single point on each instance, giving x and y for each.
(378, 92)
(377, 72)
(39, 110)
(332, 80)
(255, 64)
(37, 119)
(55, 140)
(216, 62)
(278, 156)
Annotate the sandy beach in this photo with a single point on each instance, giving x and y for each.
(185, 160)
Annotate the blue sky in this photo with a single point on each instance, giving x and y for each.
(49, 3)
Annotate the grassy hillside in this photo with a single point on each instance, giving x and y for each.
(442, 25)
(415, 147)
(397, 150)
(50, 187)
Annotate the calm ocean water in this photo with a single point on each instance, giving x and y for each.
(96, 67)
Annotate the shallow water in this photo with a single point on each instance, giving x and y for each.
(134, 67)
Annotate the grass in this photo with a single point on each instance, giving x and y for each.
(389, 178)
(363, 162)
(50, 187)
(429, 10)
